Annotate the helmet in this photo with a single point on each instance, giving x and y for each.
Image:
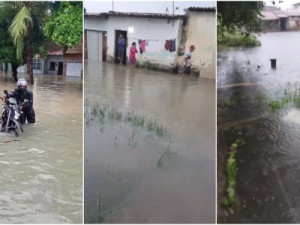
(22, 84)
(192, 46)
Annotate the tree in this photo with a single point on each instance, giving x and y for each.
(7, 48)
(239, 14)
(26, 27)
(65, 25)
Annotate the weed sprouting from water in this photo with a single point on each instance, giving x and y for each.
(104, 112)
(168, 153)
(231, 171)
(100, 210)
(291, 95)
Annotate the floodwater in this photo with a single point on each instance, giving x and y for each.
(123, 176)
(268, 174)
(41, 172)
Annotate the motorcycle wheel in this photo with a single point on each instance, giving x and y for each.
(14, 132)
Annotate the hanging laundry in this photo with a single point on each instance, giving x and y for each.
(143, 45)
(140, 46)
(167, 44)
(173, 45)
(147, 42)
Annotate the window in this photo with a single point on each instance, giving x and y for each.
(37, 64)
(52, 66)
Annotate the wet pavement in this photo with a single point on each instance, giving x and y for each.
(123, 176)
(41, 173)
(268, 164)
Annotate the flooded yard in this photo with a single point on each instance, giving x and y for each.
(41, 170)
(260, 106)
(149, 146)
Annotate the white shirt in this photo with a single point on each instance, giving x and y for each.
(187, 56)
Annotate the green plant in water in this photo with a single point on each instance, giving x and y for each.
(231, 171)
(166, 154)
(100, 210)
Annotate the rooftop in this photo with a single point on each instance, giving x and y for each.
(148, 15)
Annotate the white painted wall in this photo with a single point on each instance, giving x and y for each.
(157, 31)
(95, 23)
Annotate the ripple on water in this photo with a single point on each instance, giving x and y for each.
(292, 116)
(36, 151)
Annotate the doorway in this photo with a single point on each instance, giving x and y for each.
(117, 34)
(104, 47)
(60, 68)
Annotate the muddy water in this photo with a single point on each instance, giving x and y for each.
(268, 164)
(125, 175)
(41, 174)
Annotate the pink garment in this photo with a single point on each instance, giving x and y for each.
(132, 60)
(143, 45)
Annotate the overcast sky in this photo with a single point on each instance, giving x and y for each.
(283, 4)
(144, 6)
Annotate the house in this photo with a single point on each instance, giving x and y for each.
(294, 17)
(154, 33)
(273, 19)
(55, 63)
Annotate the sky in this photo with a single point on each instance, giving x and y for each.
(144, 6)
(283, 4)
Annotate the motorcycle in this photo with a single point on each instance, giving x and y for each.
(10, 116)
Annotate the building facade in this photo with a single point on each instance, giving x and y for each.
(161, 39)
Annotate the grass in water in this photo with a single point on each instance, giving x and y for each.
(103, 112)
(231, 171)
(166, 154)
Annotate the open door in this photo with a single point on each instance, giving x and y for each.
(60, 68)
(104, 47)
(117, 33)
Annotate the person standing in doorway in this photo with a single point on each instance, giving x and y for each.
(187, 61)
(121, 48)
(133, 51)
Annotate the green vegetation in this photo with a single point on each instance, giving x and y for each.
(232, 17)
(112, 114)
(237, 39)
(65, 24)
(231, 171)
(291, 96)
(166, 154)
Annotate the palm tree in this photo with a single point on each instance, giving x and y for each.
(20, 29)
(24, 26)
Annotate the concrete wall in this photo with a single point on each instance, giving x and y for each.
(271, 25)
(53, 58)
(201, 32)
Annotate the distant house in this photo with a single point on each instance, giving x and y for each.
(273, 19)
(294, 17)
(161, 39)
(55, 63)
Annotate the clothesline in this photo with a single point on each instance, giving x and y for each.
(154, 39)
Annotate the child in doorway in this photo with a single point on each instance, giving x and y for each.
(187, 61)
(133, 51)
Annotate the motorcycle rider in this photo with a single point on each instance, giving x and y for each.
(24, 98)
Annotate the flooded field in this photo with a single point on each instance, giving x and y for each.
(41, 170)
(260, 106)
(149, 146)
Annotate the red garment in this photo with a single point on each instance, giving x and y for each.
(132, 59)
(143, 45)
(168, 44)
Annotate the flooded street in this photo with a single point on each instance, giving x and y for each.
(260, 105)
(41, 172)
(135, 174)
